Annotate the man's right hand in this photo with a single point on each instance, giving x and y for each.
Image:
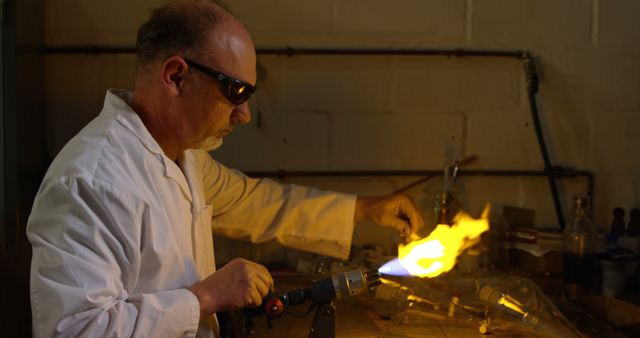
(238, 284)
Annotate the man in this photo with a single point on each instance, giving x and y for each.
(122, 225)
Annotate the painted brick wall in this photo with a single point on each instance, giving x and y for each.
(404, 112)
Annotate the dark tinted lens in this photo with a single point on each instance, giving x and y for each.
(238, 92)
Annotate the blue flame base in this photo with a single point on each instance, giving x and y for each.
(393, 268)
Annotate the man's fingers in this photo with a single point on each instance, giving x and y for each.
(254, 299)
(262, 287)
(400, 224)
(258, 282)
(265, 280)
(262, 283)
(410, 233)
(409, 208)
(405, 229)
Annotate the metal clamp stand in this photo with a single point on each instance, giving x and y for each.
(324, 321)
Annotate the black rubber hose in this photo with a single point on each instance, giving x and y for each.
(531, 75)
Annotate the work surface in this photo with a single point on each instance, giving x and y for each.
(353, 321)
(357, 317)
(365, 316)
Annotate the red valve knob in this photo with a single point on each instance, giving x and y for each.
(274, 307)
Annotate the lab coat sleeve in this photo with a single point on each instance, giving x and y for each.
(86, 260)
(262, 209)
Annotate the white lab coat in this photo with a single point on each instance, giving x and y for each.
(119, 230)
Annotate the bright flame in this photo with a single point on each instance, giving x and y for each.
(511, 303)
(437, 253)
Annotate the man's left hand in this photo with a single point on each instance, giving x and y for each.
(397, 211)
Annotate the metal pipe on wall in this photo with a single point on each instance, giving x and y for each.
(289, 51)
(427, 174)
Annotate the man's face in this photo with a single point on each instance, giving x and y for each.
(209, 114)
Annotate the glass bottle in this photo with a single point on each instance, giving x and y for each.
(578, 240)
(520, 299)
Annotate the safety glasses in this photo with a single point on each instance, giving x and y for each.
(234, 90)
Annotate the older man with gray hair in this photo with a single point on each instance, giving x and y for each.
(122, 225)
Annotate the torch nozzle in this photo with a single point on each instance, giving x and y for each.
(373, 278)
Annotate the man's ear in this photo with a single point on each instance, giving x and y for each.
(173, 72)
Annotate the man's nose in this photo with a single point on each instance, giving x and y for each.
(241, 114)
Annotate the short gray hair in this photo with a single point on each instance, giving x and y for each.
(176, 29)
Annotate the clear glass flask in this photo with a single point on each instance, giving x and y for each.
(579, 236)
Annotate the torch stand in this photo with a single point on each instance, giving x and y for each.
(324, 321)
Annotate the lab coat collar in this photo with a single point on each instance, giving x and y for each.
(116, 104)
(187, 163)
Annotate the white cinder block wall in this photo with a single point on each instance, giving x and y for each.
(404, 112)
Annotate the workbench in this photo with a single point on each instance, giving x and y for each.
(356, 318)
